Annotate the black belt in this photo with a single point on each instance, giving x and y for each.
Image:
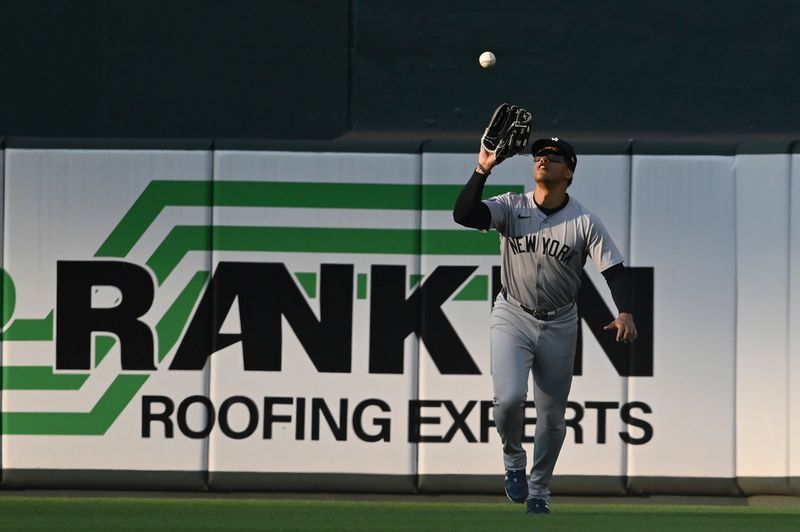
(541, 315)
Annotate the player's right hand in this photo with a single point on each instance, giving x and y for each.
(486, 158)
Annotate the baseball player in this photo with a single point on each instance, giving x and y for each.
(545, 237)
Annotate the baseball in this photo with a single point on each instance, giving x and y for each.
(487, 59)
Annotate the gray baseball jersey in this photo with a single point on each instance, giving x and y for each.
(543, 256)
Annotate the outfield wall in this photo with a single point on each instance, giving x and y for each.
(283, 320)
(310, 69)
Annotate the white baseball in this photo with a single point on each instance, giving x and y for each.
(487, 59)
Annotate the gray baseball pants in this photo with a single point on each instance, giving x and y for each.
(522, 345)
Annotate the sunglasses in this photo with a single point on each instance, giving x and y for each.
(552, 157)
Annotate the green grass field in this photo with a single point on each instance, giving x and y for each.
(23, 513)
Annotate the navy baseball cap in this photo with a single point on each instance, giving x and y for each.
(562, 147)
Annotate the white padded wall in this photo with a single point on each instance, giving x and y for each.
(683, 224)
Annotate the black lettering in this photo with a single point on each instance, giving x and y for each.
(76, 319)
(545, 244)
(459, 421)
(530, 243)
(520, 244)
(486, 421)
(415, 421)
(393, 318)
(252, 412)
(300, 419)
(563, 253)
(575, 421)
(553, 250)
(339, 430)
(270, 418)
(647, 428)
(512, 243)
(148, 416)
(384, 424)
(630, 360)
(183, 424)
(266, 292)
(528, 422)
(601, 407)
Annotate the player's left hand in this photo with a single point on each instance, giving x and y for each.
(626, 329)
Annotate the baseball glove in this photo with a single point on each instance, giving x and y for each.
(508, 131)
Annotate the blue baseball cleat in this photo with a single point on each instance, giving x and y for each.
(538, 506)
(516, 485)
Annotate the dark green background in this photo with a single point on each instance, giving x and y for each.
(325, 69)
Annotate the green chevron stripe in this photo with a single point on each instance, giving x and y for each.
(93, 423)
(183, 239)
(146, 209)
(361, 286)
(30, 330)
(102, 347)
(475, 290)
(120, 392)
(317, 195)
(40, 378)
(160, 194)
(308, 280)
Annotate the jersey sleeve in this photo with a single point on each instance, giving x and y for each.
(499, 206)
(601, 247)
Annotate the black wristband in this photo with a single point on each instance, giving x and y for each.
(484, 170)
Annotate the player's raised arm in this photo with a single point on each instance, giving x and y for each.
(505, 136)
(469, 210)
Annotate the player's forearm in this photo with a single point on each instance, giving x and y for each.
(469, 210)
(619, 281)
